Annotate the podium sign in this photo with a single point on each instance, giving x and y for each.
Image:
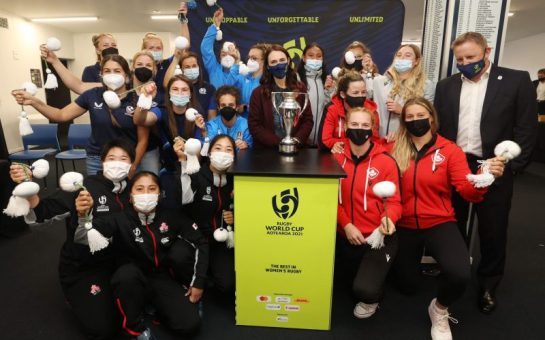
(284, 250)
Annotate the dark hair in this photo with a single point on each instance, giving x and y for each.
(141, 174)
(267, 79)
(346, 80)
(118, 59)
(123, 144)
(193, 103)
(541, 70)
(227, 89)
(355, 44)
(189, 54)
(301, 68)
(218, 138)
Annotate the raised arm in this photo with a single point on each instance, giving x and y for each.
(65, 114)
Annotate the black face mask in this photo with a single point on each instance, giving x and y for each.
(358, 136)
(355, 101)
(143, 74)
(228, 113)
(110, 50)
(418, 127)
(357, 65)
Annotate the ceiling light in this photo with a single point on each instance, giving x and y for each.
(164, 17)
(511, 14)
(64, 19)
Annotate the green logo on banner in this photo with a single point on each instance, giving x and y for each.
(289, 203)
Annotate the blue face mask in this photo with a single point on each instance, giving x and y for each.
(179, 100)
(403, 65)
(471, 70)
(191, 73)
(279, 70)
(157, 55)
(313, 65)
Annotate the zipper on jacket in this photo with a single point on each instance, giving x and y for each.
(314, 140)
(156, 260)
(219, 206)
(121, 205)
(352, 193)
(443, 201)
(415, 195)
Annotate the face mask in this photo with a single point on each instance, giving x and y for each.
(279, 70)
(221, 160)
(355, 101)
(418, 127)
(113, 80)
(403, 65)
(143, 74)
(228, 113)
(191, 73)
(110, 50)
(227, 61)
(313, 65)
(358, 136)
(357, 65)
(145, 203)
(471, 70)
(116, 171)
(253, 65)
(157, 55)
(179, 100)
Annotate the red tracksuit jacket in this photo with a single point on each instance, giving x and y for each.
(427, 186)
(357, 202)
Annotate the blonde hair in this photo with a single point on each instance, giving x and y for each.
(360, 109)
(413, 86)
(150, 36)
(96, 40)
(403, 150)
(148, 54)
(477, 38)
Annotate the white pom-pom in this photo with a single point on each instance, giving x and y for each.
(17, 206)
(144, 101)
(482, 180)
(96, 240)
(376, 239)
(227, 46)
(205, 147)
(178, 71)
(192, 149)
(219, 35)
(508, 149)
(243, 69)
(220, 235)
(53, 44)
(181, 43)
(51, 82)
(40, 168)
(30, 87)
(210, 2)
(349, 57)
(26, 189)
(335, 72)
(71, 181)
(384, 189)
(24, 125)
(230, 237)
(191, 114)
(111, 99)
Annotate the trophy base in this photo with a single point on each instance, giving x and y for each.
(287, 148)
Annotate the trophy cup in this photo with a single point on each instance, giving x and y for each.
(289, 109)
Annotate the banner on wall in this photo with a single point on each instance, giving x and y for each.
(333, 24)
(284, 251)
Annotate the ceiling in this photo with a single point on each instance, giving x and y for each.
(116, 16)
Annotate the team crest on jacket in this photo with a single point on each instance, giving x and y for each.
(137, 234)
(95, 289)
(437, 158)
(373, 173)
(202, 90)
(163, 228)
(195, 226)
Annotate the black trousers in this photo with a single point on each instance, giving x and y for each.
(222, 267)
(133, 290)
(372, 266)
(445, 243)
(493, 218)
(92, 302)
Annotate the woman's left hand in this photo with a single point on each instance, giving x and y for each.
(194, 294)
(496, 166)
(132, 171)
(393, 106)
(387, 226)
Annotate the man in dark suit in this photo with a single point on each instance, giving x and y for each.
(540, 90)
(478, 108)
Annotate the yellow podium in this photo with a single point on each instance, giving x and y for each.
(285, 228)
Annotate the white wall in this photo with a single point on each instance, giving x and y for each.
(525, 54)
(19, 53)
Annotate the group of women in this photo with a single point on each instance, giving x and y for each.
(160, 219)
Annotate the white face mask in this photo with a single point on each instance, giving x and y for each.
(113, 80)
(115, 171)
(221, 160)
(253, 65)
(145, 203)
(227, 61)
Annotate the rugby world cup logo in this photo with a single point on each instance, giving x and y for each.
(286, 204)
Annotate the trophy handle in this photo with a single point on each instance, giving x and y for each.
(306, 100)
(273, 95)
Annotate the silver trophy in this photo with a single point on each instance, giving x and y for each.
(289, 109)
